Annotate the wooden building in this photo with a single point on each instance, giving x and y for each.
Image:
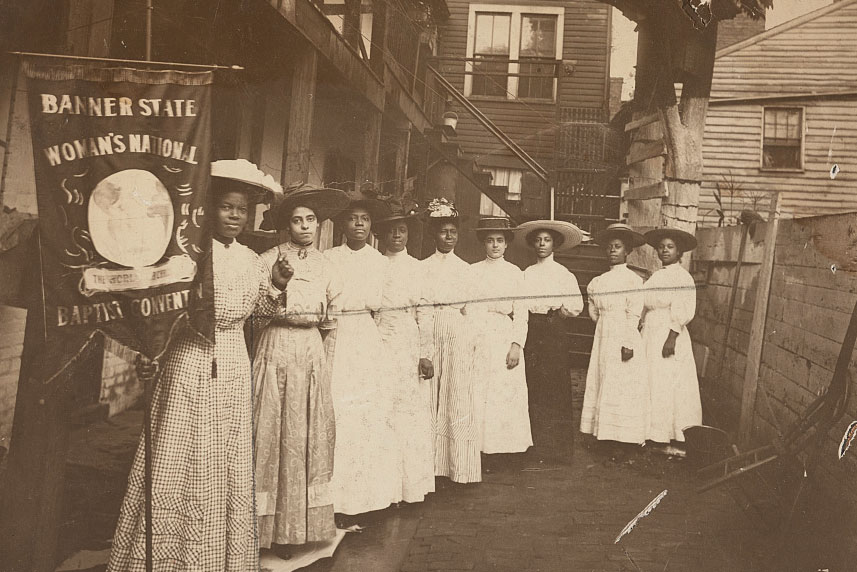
(332, 92)
(540, 72)
(783, 117)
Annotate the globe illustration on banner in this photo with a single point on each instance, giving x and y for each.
(131, 218)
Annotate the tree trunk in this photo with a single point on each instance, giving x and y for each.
(671, 52)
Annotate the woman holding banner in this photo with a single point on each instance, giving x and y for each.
(203, 510)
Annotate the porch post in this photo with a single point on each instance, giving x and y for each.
(302, 106)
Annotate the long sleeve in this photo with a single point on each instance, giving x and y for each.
(573, 301)
(270, 302)
(520, 311)
(683, 304)
(591, 305)
(425, 315)
(335, 288)
(634, 301)
(376, 284)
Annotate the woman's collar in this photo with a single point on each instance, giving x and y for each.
(546, 260)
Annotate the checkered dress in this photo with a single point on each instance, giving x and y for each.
(202, 455)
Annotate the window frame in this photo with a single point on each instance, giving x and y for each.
(516, 12)
(801, 167)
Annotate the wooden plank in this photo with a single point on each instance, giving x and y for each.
(656, 191)
(637, 123)
(296, 160)
(642, 151)
(723, 245)
(757, 328)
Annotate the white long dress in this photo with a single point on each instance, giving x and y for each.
(670, 303)
(615, 404)
(397, 322)
(365, 467)
(499, 316)
(448, 288)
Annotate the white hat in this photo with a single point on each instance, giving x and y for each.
(571, 235)
(244, 171)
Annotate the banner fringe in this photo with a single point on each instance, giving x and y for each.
(119, 74)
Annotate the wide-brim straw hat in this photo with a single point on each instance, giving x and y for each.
(242, 175)
(622, 231)
(572, 236)
(489, 224)
(324, 202)
(683, 240)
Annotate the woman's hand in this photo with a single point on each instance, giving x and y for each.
(513, 357)
(147, 370)
(627, 353)
(281, 273)
(426, 368)
(669, 345)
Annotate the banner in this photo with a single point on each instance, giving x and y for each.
(122, 166)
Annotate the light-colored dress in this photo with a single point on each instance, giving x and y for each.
(366, 469)
(448, 287)
(670, 303)
(293, 407)
(202, 456)
(499, 316)
(615, 404)
(397, 322)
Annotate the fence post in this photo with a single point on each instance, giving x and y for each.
(757, 328)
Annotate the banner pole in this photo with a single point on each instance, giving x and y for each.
(123, 61)
(147, 417)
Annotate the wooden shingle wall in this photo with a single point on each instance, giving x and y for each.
(813, 292)
(732, 150)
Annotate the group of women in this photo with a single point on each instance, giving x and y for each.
(374, 373)
(641, 383)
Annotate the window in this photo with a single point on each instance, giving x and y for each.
(511, 51)
(491, 50)
(782, 142)
(538, 43)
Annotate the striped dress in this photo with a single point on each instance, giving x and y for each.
(454, 407)
(202, 456)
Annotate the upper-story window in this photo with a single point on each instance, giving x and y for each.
(511, 51)
(782, 140)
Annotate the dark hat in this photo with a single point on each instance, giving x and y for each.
(683, 240)
(368, 198)
(401, 210)
(243, 176)
(489, 224)
(325, 203)
(622, 231)
(569, 234)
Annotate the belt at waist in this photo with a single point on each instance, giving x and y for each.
(296, 322)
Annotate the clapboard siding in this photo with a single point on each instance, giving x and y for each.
(532, 124)
(812, 54)
(731, 152)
